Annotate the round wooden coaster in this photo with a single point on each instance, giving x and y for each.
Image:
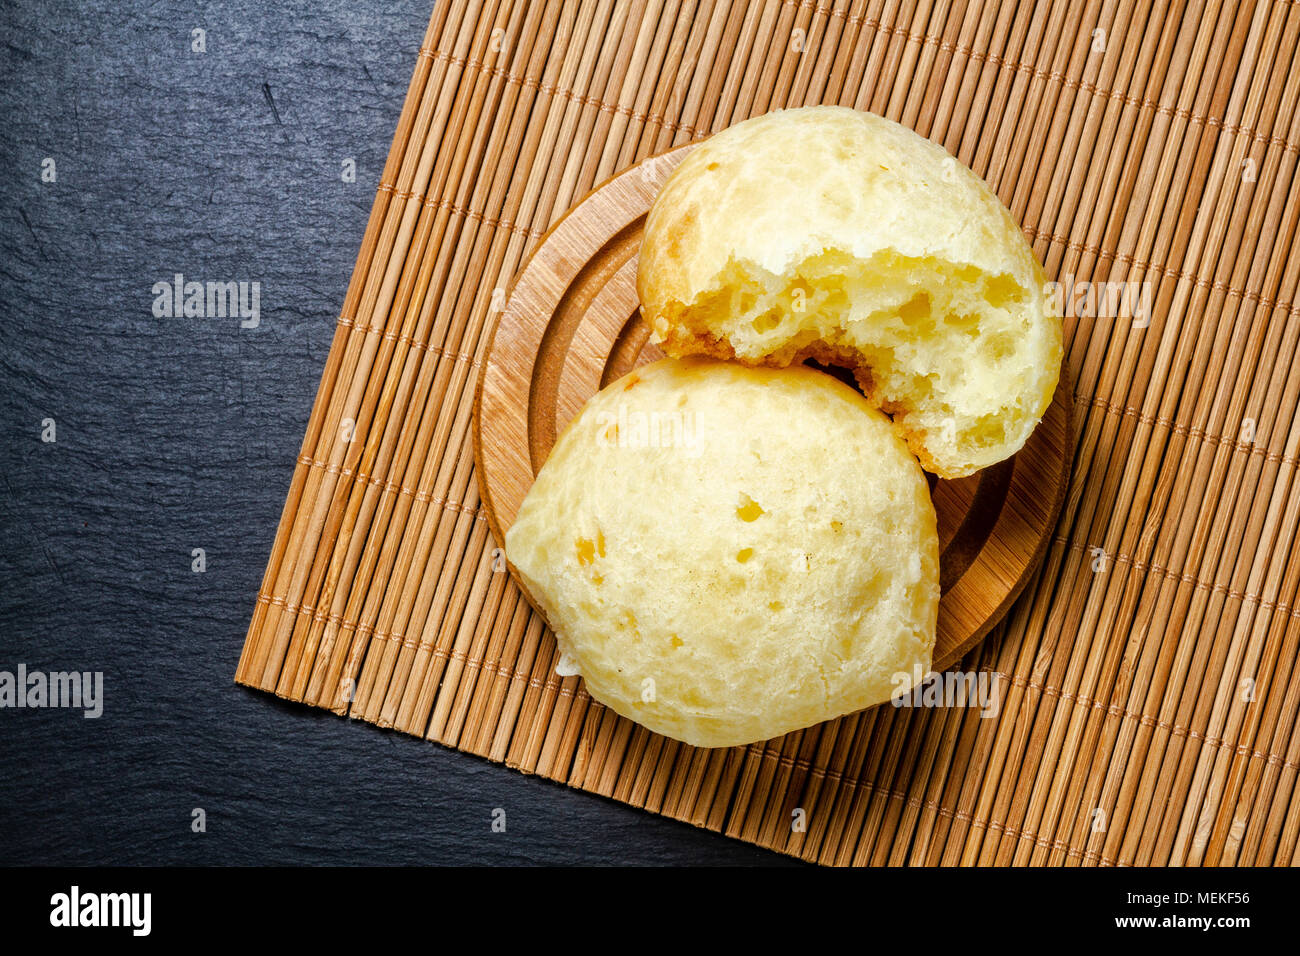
(571, 325)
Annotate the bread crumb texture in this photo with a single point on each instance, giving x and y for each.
(755, 553)
(835, 234)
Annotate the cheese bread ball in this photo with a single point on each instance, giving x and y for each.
(727, 553)
(840, 235)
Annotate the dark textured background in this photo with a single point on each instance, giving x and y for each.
(175, 434)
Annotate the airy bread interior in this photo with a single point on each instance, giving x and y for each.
(839, 235)
(947, 349)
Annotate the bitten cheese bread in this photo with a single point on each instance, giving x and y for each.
(830, 233)
(727, 553)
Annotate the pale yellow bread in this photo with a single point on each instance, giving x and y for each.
(838, 234)
(727, 554)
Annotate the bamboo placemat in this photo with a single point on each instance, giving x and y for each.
(1150, 693)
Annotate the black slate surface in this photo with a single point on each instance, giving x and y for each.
(173, 434)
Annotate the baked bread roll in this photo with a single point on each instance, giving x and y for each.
(830, 233)
(727, 554)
